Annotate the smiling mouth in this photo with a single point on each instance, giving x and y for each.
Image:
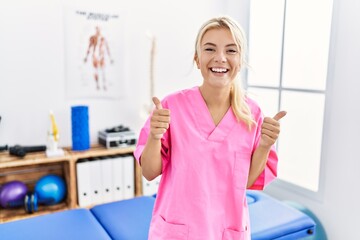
(219, 70)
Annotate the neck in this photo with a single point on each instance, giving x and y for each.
(215, 97)
(217, 101)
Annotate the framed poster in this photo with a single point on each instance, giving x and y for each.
(94, 53)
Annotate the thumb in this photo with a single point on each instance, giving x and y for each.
(157, 103)
(279, 115)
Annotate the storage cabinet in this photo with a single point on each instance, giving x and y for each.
(35, 165)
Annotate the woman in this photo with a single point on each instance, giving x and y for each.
(216, 145)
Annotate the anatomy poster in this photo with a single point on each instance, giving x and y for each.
(94, 53)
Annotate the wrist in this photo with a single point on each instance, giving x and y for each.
(156, 137)
(264, 148)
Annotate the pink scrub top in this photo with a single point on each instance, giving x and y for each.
(202, 193)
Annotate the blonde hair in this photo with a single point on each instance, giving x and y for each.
(237, 94)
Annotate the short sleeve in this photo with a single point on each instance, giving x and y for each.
(270, 171)
(144, 133)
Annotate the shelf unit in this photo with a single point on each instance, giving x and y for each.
(35, 165)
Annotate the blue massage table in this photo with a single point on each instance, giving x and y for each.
(126, 220)
(272, 219)
(130, 219)
(269, 218)
(71, 224)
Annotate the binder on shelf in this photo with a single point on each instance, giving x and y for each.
(105, 179)
(146, 187)
(156, 183)
(117, 178)
(128, 176)
(106, 165)
(83, 182)
(95, 181)
(150, 187)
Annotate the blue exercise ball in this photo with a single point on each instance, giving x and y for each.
(50, 189)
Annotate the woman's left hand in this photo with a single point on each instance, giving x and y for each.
(270, 130)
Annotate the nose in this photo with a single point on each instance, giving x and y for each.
(220, 57)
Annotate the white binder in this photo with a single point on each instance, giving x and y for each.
(150, 187)
(146, 187)
(128, 176)
(117, 178)
(155, 185)
(106, 179)
(95, 181)
(83, 182)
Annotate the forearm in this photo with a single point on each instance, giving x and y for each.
(258, 164)
(151, 163)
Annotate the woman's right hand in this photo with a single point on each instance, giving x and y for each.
(160, 120)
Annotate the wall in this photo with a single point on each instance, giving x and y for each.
(32, 63)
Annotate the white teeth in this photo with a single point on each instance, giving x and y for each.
(219, 70)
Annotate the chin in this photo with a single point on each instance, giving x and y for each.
(221, 84)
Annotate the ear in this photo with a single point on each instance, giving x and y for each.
(196, 59)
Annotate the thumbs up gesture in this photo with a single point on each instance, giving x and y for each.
(270, 129)
(160, 120)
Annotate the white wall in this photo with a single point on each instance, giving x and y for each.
(32, 67)
(339, 206)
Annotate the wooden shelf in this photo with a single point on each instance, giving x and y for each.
(8, 215)
(35, 165)
(98, 151)
(7, 160)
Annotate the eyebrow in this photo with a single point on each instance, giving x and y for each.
(229, 45)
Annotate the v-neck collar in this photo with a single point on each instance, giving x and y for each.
(205, 123)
